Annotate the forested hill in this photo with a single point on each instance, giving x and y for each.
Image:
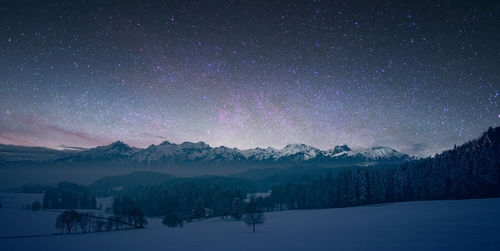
(471, 170)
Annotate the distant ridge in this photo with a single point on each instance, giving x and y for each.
(199, 153)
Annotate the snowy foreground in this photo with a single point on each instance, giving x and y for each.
(426, 225)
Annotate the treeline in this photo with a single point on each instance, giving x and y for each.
(71, 221)
(189, 198)
(67, 195)
(125, 209)
(469, 171)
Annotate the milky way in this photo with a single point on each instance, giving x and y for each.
(418, 77)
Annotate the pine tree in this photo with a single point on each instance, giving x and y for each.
(93, 202)
(237, 209)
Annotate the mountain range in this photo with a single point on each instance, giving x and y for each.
(199, 153)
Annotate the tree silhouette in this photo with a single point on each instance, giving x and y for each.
(35, 206)
(237, 210)
(253, 215)
(172, 220)
(67, 221)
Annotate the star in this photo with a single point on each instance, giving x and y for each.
(320, 73)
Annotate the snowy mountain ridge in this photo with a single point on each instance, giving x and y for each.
(200, 151)
(189, 152)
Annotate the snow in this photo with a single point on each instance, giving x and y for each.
(200, 151)
(260, 153)
(251, 196)
(117, 149)
(305, 152)
(155, 153)
(381, 153)
(308, 152)
(424, 225)
(17, 222)
(19, 200)
(104, 202)
(370, 153)
(186, 151)
(345, 154)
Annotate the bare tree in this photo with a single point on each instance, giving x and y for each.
(84, 222)
(110, 223)
(35, 206)
(136, 218)
(253, 215)
(67, 221)
(98, 224)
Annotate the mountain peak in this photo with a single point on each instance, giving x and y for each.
(118, 145)
(382, 152)
(307, 152)
(342, 148)
(118, 142)
(197, 145)
(166, 142)
(299, 146)
(200, 151)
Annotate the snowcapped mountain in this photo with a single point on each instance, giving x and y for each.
(380, 152)
(224, 154)
(302, 152)
(200, 152)
(289, 152)
(260, 153)
(297, 152)
(115, 151)
(338, 151)
(187, 151)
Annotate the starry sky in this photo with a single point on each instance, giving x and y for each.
(418, 77)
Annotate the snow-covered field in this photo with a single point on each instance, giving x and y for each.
(19, 200)
(426, 225)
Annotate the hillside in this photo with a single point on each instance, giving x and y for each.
(428, 225)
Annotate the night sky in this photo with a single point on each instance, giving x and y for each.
(418, 77)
